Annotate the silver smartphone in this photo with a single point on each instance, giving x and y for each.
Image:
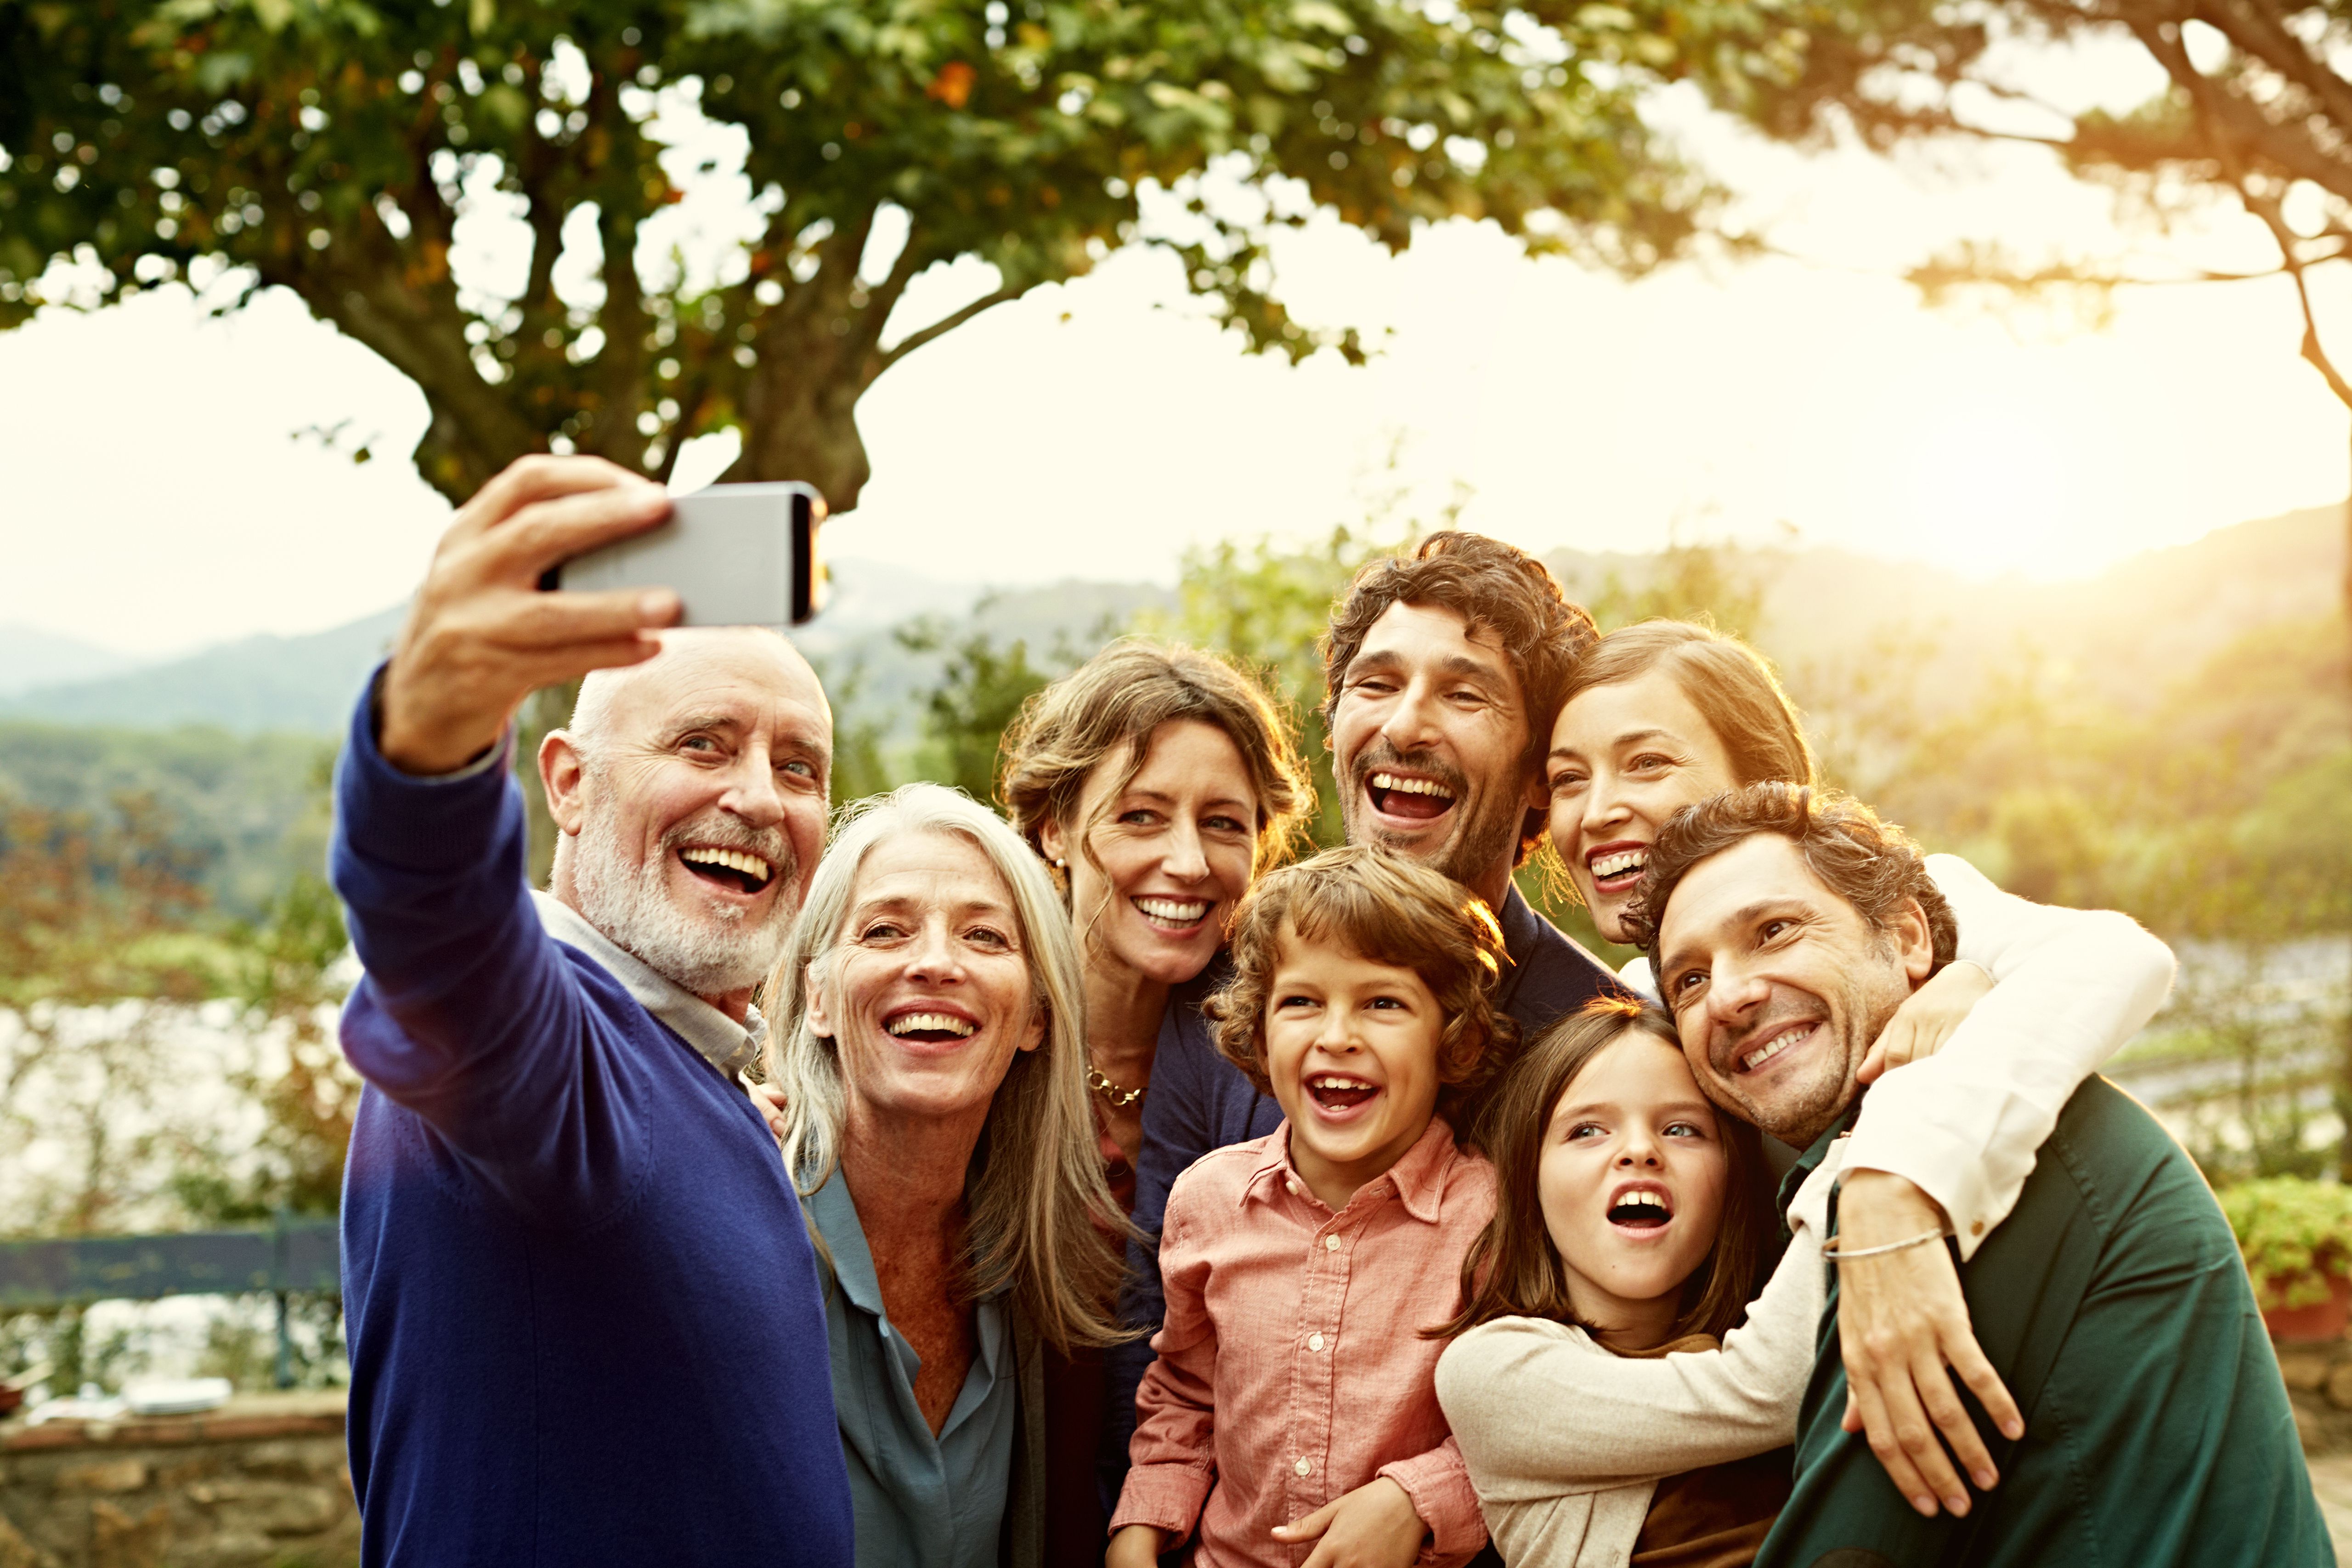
(736, 556)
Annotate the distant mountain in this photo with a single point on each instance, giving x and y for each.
(30, 657)
(2128, 633)
(303, 685)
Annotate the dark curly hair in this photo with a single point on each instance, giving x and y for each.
(1494, 587)
(1389, 910)
(1869, 862)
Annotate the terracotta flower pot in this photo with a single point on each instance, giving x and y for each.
(2322, 1321)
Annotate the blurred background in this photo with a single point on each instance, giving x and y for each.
(1980, 374)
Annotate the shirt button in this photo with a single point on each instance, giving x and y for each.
(1331, 1244)
(1304, 1468)
(1976, 1227)
(1314, 1342)
(1293, 1187)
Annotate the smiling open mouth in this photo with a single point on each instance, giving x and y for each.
(1794, 1035)
(1409, 795)
(931, 1028)
(1642, 1208)
(1335, 1091)
(1171, 914)
(736, 871)
(1616, 870)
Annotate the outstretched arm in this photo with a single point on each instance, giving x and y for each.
(468, 1014)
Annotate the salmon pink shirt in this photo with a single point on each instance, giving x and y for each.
(1291, 1368)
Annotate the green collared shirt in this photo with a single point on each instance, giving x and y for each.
(918, 1499)
(2114, 1306)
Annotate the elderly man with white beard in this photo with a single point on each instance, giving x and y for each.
(585, 1315)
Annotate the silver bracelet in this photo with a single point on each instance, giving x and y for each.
(1830, 1250)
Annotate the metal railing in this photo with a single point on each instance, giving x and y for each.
(294, 1256)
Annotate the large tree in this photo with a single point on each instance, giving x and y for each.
(331, 147)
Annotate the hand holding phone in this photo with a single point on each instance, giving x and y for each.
(736, 556)
(478, 640)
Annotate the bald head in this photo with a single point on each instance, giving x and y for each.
(689, 654)
(690, 792)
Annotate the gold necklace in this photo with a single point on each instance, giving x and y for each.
(1121, 1098)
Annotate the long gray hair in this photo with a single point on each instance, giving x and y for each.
(1039, 1213)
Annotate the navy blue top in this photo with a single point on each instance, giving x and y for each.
(1200, 1101)
(584, 1312)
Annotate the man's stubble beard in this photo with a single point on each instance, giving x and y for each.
(1478, 845)
(711, 953)
(1802, 1113)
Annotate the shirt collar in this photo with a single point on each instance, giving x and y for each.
(1810, 1161)
(1418, 1178)
(730, 1047)
(834, 1214)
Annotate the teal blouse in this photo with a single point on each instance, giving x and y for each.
(918, 1499)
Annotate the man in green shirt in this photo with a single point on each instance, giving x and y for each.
(2111, 1303)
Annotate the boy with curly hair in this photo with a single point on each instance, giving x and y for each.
(1293, 1404)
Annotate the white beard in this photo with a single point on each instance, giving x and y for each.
(708, 951)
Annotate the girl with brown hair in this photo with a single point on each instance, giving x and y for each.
(1631, 1219)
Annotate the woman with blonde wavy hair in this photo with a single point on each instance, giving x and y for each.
(928, 1048)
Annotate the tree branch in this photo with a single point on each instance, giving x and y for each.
(945, 325)
(2266, 38)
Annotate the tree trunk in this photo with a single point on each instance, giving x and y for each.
(816, 358)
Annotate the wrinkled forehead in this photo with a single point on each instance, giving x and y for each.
(1719, 898)
(743, 675)
(1412, 635)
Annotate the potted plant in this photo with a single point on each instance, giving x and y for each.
(2296, 1237)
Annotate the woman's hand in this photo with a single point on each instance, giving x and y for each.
(769, 1102)
(1901, 1321)
(1372, 1527)
(1927, 1019)
(1137, 1546)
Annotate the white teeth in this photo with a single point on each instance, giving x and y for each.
(1402, 785)
(907, 1023)
(1617, 865)
(1773, 1047)
(1177, 912)
(1329, 1080)
(733, 860)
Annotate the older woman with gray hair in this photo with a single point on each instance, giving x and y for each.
(929, 1056)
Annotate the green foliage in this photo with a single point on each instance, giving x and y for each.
(241, 815)
(2295, 1235)
(331, 147)
(97, 908)
(980, 692)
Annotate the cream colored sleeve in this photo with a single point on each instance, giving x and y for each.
(2071, 986)
(1540, 1411)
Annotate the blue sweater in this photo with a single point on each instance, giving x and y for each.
(584, 1313)
(1200, 1101)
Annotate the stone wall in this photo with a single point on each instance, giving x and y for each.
(260, 1481)
(2319, 1381)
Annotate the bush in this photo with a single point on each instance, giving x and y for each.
(2295, 1235)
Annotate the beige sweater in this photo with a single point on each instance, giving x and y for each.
(1566, 1441)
